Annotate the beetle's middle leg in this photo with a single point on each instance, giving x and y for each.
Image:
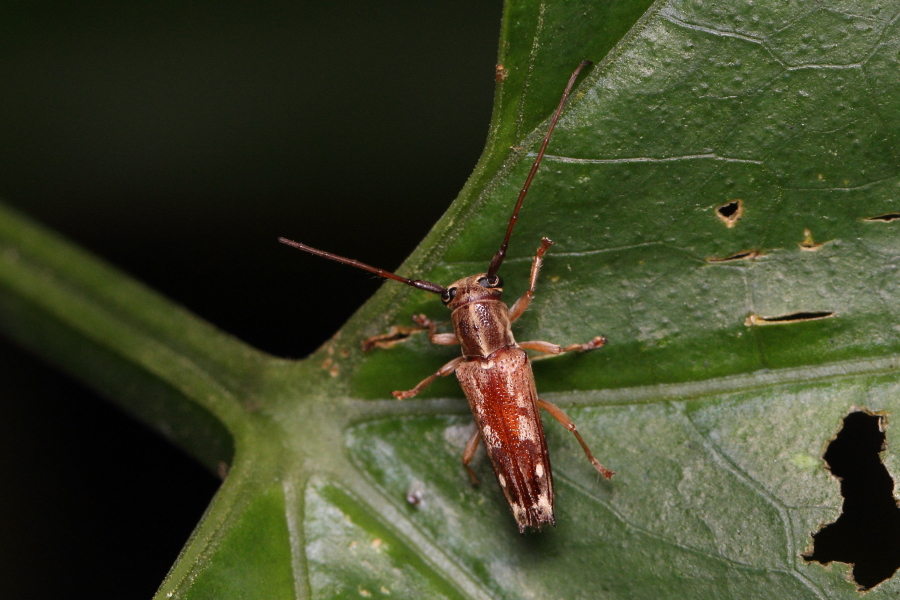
(558, 414)
(447, 369)
(522, 304)
(549, 348)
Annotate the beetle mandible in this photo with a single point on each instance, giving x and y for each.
(494, 371)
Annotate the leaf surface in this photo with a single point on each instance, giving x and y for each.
(733, 354)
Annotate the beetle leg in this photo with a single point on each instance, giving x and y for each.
(548, 348)
(522, 303)
(442, 372)
(557, 413)
(469, 452)
(441, 339)
(396, 335)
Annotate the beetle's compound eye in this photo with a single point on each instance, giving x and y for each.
(494, 281)
(449, 295)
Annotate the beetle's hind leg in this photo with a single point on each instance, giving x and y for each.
(447, 369)
(558, 414)
(469, 453)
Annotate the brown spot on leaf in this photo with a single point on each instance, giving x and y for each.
(808, 244)
(415, 495)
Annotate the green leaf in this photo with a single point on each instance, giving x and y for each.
(713, 400)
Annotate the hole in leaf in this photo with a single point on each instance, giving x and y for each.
(745, 255)
(731, 212)
(887, 218)
(797, 317)
(867, 534)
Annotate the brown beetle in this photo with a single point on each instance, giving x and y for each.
(494, 371)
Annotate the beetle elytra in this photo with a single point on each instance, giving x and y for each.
(494, 370)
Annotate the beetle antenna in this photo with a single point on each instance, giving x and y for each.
(501, 253)
(416, 283)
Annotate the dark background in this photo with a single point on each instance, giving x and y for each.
(177, 141)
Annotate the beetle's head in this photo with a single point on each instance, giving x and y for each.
(472, 289)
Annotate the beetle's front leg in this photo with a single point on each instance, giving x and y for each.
(447, 369)
(522, 303)
(557, 413)
(548, 348)
(441, 339)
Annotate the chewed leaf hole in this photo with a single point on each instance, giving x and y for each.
(745, 255)
(730, 209)
(731, 212)
(797, 317)
(887, 218)
(867, 534)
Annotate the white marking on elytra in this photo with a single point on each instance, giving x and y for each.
(539, 470)
(527, 430)
(518, 511)
(501, 479)
(544, 502)
(487, 433)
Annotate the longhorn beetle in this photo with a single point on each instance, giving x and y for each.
(494, 371)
